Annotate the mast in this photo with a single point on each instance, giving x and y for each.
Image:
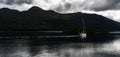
(83, 34)
(83, 23)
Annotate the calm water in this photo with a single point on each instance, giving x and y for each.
(34, 48)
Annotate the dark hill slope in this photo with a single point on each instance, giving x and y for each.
(38, 19)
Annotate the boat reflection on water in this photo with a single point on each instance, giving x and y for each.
(34, 47)
(21, 48)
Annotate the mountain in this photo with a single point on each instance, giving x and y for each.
(39, 19)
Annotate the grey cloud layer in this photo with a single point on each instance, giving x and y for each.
(94, 5)
(70, 5)
(10, 2)
(66, 5)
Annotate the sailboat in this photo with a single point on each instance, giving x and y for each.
(83, 35)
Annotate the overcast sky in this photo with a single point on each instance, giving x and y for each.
(107, 8)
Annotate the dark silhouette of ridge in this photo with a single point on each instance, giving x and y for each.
(7, 11)
(38, 19)
(37, 10)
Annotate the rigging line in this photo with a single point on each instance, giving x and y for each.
(83, 23)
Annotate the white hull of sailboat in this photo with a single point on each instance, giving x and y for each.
(83, 35)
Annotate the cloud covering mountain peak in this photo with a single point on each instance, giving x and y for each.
(107, 8)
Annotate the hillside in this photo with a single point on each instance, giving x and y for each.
(38, 19)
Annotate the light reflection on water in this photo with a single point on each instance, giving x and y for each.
(22, 48)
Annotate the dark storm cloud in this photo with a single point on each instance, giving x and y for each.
(63, 8)
(10, 2)
(95, 5)
(110, 5)
(68, 5)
